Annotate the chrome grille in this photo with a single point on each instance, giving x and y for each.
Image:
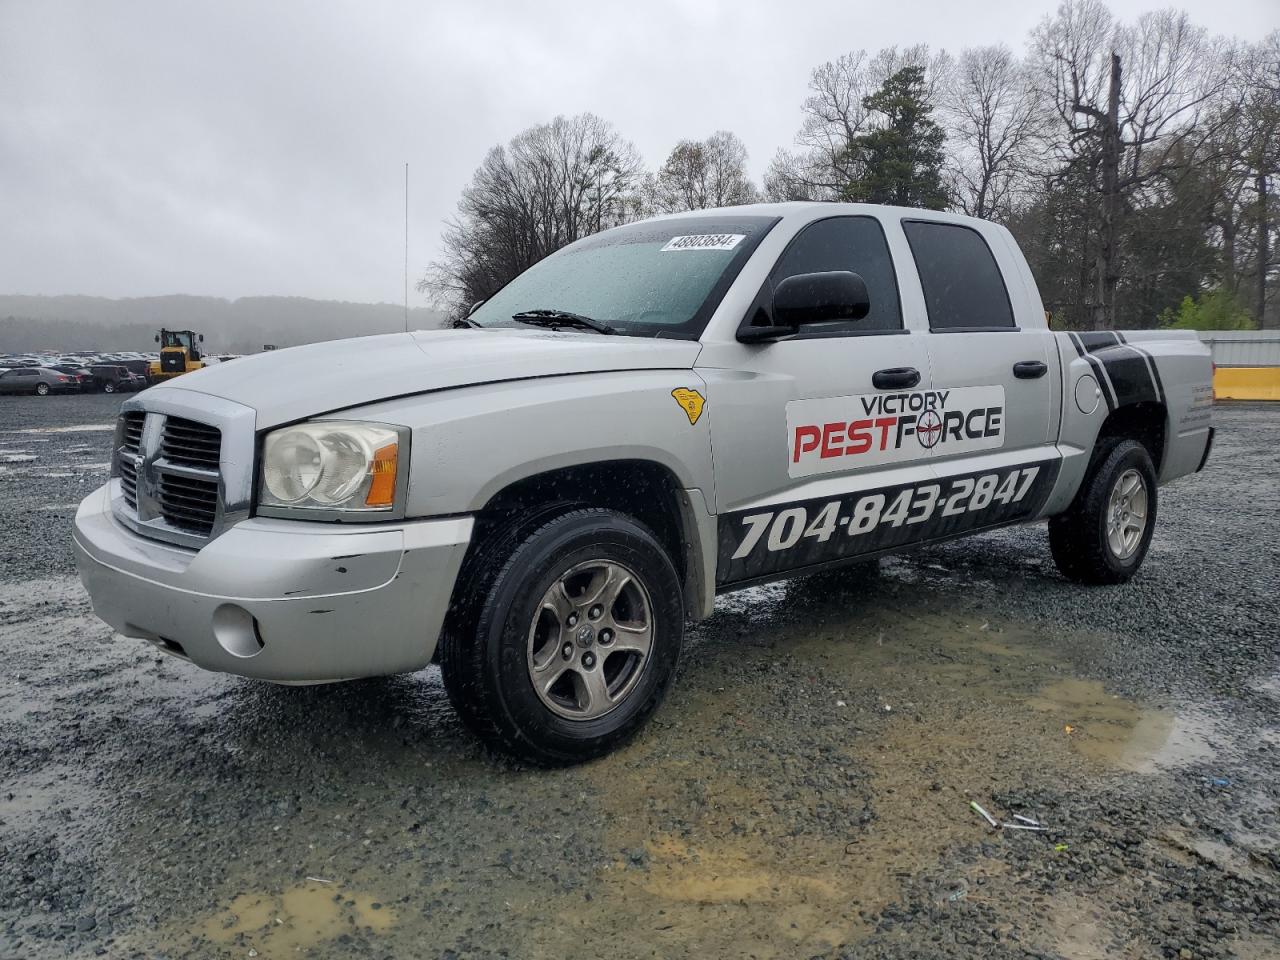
(131, 430)
(190, 443)
(170, 468)
(188, 503)
(130, 434)
(128, 481)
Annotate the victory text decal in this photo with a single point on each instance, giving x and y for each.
(845, 433)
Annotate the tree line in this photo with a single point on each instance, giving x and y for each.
(1133, 161)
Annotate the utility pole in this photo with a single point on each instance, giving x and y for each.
(406, 247)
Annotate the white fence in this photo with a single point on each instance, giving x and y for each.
(1244, 348)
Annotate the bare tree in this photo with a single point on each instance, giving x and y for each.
(993, 121)
(1260, 135)
(701, 174)
(1133, 101)
(551, 185)
(824, 164)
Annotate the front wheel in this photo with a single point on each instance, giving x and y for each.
(567, 648)
(1104, 536)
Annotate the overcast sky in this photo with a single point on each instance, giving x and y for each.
(243, 148)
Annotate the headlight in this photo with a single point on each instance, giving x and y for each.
(332, 465)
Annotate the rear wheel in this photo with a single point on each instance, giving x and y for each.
(566, 648)
(42, 389)
(1104, 536)
(108, 387)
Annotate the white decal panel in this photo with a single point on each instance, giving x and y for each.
(844, 433)
(704, 241)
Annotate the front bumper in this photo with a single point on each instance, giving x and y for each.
(282, 600)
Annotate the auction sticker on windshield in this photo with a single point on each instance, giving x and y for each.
(845, 433)
(704, 241)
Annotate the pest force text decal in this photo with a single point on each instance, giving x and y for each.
(845, 433)
(762, 542)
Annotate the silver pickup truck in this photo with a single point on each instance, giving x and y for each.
(651, 416)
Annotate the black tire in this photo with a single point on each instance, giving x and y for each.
(108, 388)
(1078, 538)
(42, 389)
(485, 647)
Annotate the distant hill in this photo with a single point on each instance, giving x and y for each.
(229, 326)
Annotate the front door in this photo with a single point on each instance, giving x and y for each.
(816, 454)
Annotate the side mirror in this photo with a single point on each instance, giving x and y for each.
(812, 298)
(157, 338)
(202, 338)
(818, 297)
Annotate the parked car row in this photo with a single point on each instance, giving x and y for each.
(79, 372)
(107, 378)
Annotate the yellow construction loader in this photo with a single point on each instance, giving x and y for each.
(179, 354)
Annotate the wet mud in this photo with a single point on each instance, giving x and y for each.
(804, 792)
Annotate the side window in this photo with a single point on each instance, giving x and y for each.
(962, 284)
(846, 243)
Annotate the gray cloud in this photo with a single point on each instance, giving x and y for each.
(240, 148)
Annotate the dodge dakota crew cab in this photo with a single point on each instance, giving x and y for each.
(651, 416)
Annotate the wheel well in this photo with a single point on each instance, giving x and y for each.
(642, 489)
(1144, 422)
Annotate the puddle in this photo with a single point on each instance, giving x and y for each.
(813, 767)
(1120, 733)
(17, 457)
(76, 428)
(297, 920)
(1268, 686)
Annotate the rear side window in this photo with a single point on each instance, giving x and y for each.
(856, 244)
(963, 288)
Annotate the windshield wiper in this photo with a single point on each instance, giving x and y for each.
(561, 318)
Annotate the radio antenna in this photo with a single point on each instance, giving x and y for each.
(406, 247)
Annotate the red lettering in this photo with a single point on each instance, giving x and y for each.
(859, 437)
(832, 433)
(885, 424)
(807, 439)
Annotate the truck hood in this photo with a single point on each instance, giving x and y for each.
(300, 382)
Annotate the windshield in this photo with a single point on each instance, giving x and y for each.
(661, 278)
(177, 338)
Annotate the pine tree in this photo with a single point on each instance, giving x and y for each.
(900, 160)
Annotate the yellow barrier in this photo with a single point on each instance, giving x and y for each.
(1246, 383)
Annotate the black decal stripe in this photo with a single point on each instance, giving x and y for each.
(809, 551)
(1130, 376)
(1097, 339)
(1152, 368)
(1099, 374)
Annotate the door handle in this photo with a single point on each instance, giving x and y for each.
(1029, 369)
(896, 378)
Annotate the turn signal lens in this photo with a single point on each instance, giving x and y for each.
(382, 487)
(332, 465)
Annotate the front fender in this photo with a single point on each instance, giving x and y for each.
(469, 443)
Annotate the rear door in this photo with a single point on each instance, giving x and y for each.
(992, 436)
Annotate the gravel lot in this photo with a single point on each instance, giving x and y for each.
(803, 793)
